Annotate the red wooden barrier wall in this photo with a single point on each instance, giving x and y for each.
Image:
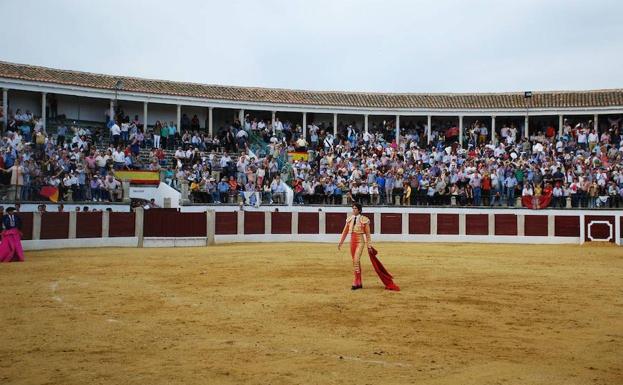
(89, 225)
(121, 224)
(54, 225)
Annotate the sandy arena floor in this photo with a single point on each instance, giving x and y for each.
(285, 314)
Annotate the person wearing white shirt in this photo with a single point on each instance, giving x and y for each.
(113, 187)
(363, 193)
(125, 132)
(504, 132)
(118, 158)
(582, 139)
(241, 169)
(374, 194)
(328, 141)
(115, 132)
(558, 194)
(277, 126)
(593, 138)
(224, 161)
(484, 133)
(301, 144)
(512, 135)
(180, 154)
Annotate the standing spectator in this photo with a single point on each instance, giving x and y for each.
(510, 183)
(115, 132)
(17, 179)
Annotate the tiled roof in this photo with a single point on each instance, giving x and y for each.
(547, 99)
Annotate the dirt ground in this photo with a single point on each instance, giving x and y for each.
(285, 314)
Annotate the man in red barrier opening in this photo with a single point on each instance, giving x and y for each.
(11, 246)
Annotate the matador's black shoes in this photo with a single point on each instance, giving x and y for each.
(357, 284)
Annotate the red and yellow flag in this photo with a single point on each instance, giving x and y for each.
(298, 155)
(49, 192)
(139, 176)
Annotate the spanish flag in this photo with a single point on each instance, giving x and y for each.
(298, 155)
(139, 176)
(49, 192)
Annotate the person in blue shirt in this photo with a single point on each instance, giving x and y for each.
(223, 190)
(380, 181)
(510, 183)
(329, 189)
(337, 194)
(9, 159)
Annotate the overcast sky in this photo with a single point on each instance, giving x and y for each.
(363, 45)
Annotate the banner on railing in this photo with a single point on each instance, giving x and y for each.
(139, 177)
(536, 203)
(298, 155)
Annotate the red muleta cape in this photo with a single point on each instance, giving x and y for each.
(383, 274)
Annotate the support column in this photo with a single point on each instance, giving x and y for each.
(105, 224)
(397, 129)
(112, 109)
(429, 128)
(5, 107)
(268, 222)
(139, 214)
(44, 117)
(36, 226)
(462, 224)
(461, 131)
(595, 123)
(560, 123)
(241, 117)
(322, 223)
(493, 138)
(210, 227)
(72, 224)
(365, 123)
(295, 223)
(240, 227)
(125, 185)
(145, 117)
(179, 118)
(617, 230)
(491, 224)
(335, 124)
(433, 224)
(582, 229)
(304, 125)
(211, 121)
(521, 225)
(526, 127)
(272, 122)
(551, 225)
(377, 223)
(405, 224)
(185, 192)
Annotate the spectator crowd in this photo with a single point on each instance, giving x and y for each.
(577, 165)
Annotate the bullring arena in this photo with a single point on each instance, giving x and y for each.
(283, 312)
(165, 249)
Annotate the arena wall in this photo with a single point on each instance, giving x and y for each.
(197, 226)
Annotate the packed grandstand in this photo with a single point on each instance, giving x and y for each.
(557, 160)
